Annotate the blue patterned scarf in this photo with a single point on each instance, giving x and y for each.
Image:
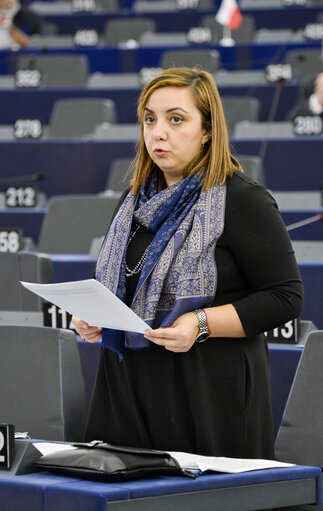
(179, 273)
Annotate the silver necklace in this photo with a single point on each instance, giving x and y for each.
(137, 269)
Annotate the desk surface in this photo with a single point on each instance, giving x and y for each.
(260, 489)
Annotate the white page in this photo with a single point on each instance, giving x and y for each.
(220, 464)
(92, 302)
(50, 447)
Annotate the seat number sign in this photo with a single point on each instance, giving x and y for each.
(307, 125)
(10, 240)
(21, 197)
(27, 128)
(28, 78)
(56, 317)
(287, 333)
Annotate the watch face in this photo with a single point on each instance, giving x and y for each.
(202, 337)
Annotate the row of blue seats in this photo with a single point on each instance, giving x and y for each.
(70, 167)
(38, 103)
(291, 17)
(30, 222)
(118, 59)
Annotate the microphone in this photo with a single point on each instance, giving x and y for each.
(306, 221)
(30, 178)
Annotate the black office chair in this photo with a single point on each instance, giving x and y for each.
(73, 221)
(42, 388)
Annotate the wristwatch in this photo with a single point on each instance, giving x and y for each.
(204, 332)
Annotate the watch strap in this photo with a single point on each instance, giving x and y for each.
(204, 332)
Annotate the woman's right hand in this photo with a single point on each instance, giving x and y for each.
(87, 332)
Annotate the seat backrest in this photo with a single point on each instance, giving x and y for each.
(304, 62)
(259, 4)
(300, 436)
(108, 5)
(259, 130)
(208, 60)
(124, 29)
(308, 251)
(57, 70)
(238, 109)
(116, 176)
(253, 167)
(154, 6)
(73, 221)
(26, 266)
(42, 388)
(244, 34)
(75, 118)
(278, 35)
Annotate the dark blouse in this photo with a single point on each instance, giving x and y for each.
(214, 399)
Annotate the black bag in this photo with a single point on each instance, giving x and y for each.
(105, 462)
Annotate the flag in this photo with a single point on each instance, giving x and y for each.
(229, 14)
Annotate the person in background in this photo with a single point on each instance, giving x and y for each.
(11, 37)
(311, 97)
(28, 21)
(200, 252)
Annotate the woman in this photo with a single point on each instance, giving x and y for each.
(200, 252)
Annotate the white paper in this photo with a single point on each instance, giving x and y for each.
(220, 464)
(49, 447)
(92, 302)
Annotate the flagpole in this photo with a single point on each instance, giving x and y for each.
(227, 39)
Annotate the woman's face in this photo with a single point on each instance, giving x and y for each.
(173, 131)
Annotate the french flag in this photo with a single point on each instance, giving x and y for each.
(229, 14)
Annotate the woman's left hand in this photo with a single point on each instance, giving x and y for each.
(180, 337)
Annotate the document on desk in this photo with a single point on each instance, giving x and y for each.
(220, 464)
(92, 302)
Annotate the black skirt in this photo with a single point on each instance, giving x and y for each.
(214, 399)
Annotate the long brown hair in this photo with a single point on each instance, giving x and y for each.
(214, 159)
